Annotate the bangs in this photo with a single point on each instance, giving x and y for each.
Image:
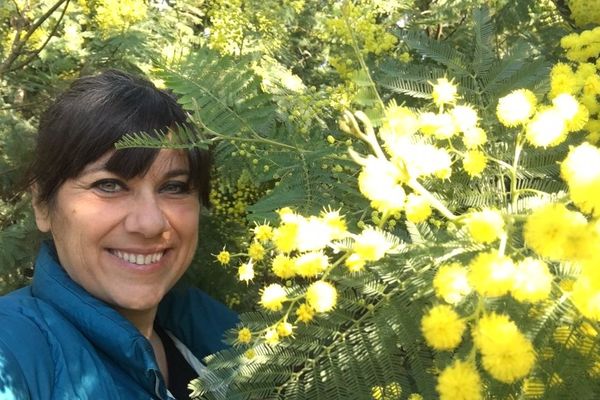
(131, 163)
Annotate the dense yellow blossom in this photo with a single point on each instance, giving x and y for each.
(272, 297)
(417, 208)
(118, 15)
(474, 162)
(451, 283)
(562, 80)
(574, 114)
(321, 296)
(586, 293)
(371, 244)
(441, 126)
(485, 226)
(473, 138)
(581, 171)
(549, 230)
(585, 12)
(283, 266)
(271, 337)
(516, 108)
(465, 117)
(285, 237)
(444, 92)
(311, 264)
(355, 263)
(336, 224)
(256, 251)
(442, 328)
(285, 329)
(224, 257)
(422, 159)
(263, 232)
(547, 128)
(244, 336)
(379, 182)
(398, 121)
(491, 274)
(246, 272)
(532, 280)
(305, 313)
(506, 353)
(460, 381)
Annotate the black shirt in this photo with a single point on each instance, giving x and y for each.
(180, 372)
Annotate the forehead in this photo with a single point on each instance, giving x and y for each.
(166, 161)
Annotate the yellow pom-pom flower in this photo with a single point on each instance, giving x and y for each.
(472, 138)
(311, 264)
(246, 272)
(283, 266)
(272, 297)
(574, 114)
(548, 228)
(460, 381)
(224, 257)
(586, 294)
(465, 117)
(516, 108)
(506, 353)
(371, 244)
(285, 329)
(417, 208)
(441, 126)
(442, 328)
(335, 223)
(321, 296)
(263, 232)
(256, 251)
(474, 162)
(398, 121)
(581, 171)
(305, 313)
(451, 283)
(546, 129)
(485, 226)
(285, 237)
(444, 92)
(244, 336)
(491, 274)
(379, 182)
(355, 263)
(562, 80)
(271, 337)
(532, 280)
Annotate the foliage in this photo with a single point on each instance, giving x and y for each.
(437, 241)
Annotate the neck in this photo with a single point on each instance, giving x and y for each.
(143, 320)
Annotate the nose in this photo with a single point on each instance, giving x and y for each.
(146, 216)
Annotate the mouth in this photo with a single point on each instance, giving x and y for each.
(138, 258)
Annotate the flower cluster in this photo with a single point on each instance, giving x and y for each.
(585, 12)
(117, 15)
(580, 78)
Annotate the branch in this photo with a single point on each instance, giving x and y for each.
(18, 43)
(37, 51)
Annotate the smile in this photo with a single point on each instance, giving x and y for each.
(139, 259)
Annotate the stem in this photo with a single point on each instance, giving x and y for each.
(358, 54)
(513, 172)
(433, 201)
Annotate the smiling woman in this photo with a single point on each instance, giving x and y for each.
(101, 318)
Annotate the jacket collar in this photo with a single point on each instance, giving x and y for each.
(104, 327)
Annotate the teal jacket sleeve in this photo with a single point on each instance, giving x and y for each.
(13, 385)
(26, 366)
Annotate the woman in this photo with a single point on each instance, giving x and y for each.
(100, 319)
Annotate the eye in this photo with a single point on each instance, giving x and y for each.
(175, 187)
(109, 185)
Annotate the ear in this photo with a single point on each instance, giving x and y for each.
(41, 211)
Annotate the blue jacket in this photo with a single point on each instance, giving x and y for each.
(59, 342)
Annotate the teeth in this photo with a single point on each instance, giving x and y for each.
(139, 259)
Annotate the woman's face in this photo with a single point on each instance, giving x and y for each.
(126, 241)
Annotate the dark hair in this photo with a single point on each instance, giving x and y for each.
(86, 121)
